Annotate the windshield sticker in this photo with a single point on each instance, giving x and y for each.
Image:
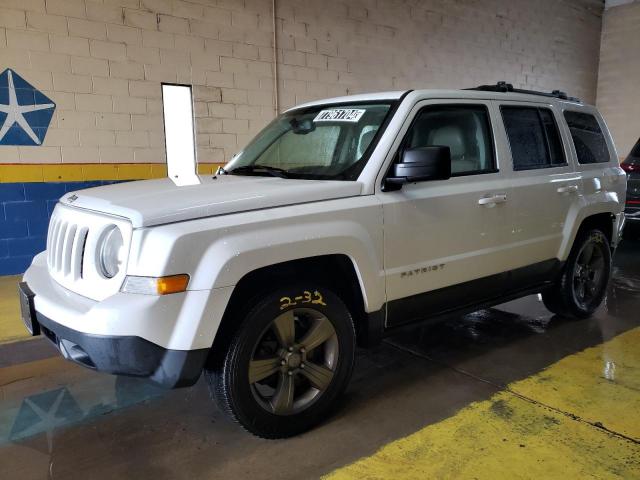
(339, 115)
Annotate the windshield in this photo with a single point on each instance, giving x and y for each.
(325, 142)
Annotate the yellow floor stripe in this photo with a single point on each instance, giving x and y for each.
(11, 327)
(511, 437)
(600, 384)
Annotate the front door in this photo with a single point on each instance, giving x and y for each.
(441, 237)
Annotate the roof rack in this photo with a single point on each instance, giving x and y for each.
(505, 87)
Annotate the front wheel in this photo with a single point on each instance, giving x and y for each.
(584, 279)
(287, 363)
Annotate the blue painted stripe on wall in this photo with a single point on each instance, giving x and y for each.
(25, 210)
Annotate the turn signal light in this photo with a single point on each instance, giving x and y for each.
(172, 284)
(156, 285)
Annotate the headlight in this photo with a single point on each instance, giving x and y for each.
(110, 252)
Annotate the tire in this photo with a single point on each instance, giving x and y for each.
(294, 388)
(583, 281)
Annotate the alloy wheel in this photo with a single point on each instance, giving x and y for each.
(294, 361)
(589, 274)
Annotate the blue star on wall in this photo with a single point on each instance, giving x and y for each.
(25, 113)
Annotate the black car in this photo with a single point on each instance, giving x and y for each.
(631, 165)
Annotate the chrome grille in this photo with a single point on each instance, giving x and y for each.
(65, 248)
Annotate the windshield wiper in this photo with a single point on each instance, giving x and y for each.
(273, 171)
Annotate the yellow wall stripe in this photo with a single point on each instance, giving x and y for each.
(533, 435)
(21, 173)
(50, 172)
(11, 326)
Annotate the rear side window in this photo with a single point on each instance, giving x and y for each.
(587, 137)
(533, 137)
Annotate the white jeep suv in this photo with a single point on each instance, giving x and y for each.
(343, 220)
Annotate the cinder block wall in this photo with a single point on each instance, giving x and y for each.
(619, 74)
(102, 62)
(398, 44)
(27, 209)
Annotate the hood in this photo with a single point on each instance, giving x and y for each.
(156, 202)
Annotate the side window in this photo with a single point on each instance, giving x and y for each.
(533, 137)
(587, 137)
(465, 129)
(553, 137)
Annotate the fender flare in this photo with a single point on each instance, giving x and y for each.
(605, 204)
(226, 262)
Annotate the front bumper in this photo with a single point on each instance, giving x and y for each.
(126, 355)
(180, 321)
(166, 338)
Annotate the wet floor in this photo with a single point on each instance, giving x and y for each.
(58, 420)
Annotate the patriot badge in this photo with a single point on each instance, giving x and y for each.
(25, 113)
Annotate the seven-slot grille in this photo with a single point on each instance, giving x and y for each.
(65, 248)
(73, 244)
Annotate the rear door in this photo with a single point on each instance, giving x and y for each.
(544, 186)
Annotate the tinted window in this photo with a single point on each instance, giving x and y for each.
(635, 151)
(587, 137)
(533, 137)
(553, 137)
(465, 129)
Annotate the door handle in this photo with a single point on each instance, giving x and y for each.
(492, 200)
(568, 189)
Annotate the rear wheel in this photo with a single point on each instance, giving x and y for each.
(287, 363)
(584, 279)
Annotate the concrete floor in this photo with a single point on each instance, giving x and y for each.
(58, 420)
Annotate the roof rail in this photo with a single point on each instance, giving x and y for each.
(505, 87)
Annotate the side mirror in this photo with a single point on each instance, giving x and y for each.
(420, 164)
